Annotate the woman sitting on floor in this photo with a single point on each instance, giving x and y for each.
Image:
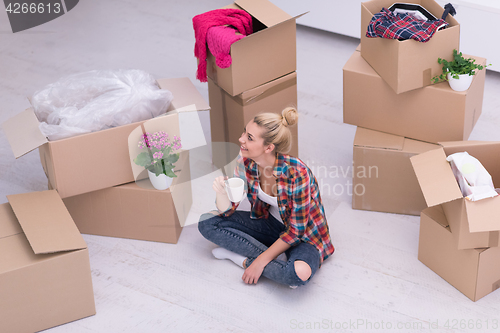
(286, 215)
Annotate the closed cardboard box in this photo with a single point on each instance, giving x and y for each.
(408, 64)
(230, 114)
(265, 55)
(474, 272)
(92, 161)
(45, 277)
(432, 114)
(383, 178)
(136, 210)
(474, 224)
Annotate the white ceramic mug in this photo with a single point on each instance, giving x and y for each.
(235, 188)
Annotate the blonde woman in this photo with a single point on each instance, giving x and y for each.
(286, 215)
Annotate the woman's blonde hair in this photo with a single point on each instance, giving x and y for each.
(275, 128)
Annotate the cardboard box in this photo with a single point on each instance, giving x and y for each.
(383, 178)
(474, 224)
(45, 277)
(408, 64)
(230, 114)
(474, 272)
(136, 210)
(267, 54)
(84, 163)
(432, 114)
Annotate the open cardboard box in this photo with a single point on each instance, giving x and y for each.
(433, 114)
(97, 160)
(45, 277)
(474, 224)
(409, 64)
(474, 272)
(383, 178)
(265, 55)
(136, 210)
(230, 114)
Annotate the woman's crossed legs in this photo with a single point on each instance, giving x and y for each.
(250, 237)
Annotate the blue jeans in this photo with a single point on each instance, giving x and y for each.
(250, 237)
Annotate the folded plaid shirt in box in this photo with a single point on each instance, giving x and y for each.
(386, 24)
(299, 202)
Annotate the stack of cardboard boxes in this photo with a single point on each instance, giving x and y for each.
(404, 125)
(388, 94)
(44, 271)
(261, 78)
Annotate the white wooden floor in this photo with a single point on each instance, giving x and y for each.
(373, 282)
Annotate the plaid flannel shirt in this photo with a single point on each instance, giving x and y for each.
(386, 24)
(299, 202)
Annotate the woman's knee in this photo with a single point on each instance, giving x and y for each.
(206, 223)
(302, 269)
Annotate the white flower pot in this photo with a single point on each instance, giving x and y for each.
(462, 83)
(161, 182)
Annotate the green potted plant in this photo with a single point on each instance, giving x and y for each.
(159, 157)
(458, 72)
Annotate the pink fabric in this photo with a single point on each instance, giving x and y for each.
(239, 19)
(219, 40)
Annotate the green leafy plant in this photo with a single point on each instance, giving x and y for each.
(159, 156)
(458, 66)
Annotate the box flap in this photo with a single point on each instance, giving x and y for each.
(23, 133)
(8, 222)
(264, 11)
(368, 138)
(483, 215)
(418, 147)
(435, 177)
(465, 144)
(186, 96)
(168, 123)
(436, 213)
(263, 31)
(187, 99)
(46, 222)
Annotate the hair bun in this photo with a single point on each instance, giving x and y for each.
(289, 116)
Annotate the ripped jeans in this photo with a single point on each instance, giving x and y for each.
(250, 237)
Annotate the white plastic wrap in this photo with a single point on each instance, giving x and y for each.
(97, 100)
(474, 181)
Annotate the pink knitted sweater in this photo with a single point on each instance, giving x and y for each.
(237, 18)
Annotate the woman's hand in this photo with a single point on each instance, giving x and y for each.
(219, 185)
(221, 199)
(254, 271)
